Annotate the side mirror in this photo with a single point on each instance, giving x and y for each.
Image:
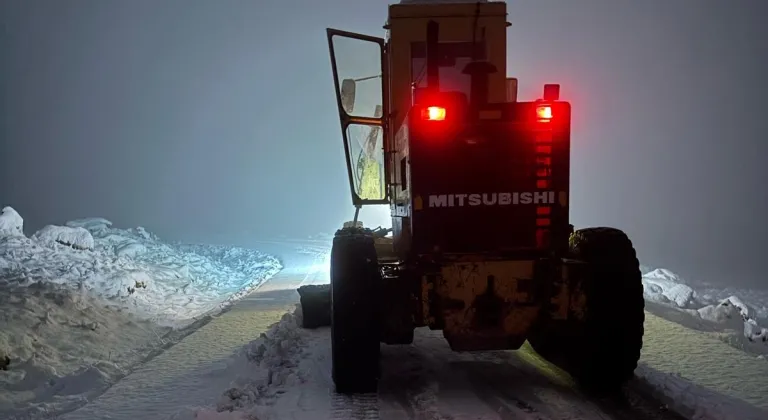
(348, 88)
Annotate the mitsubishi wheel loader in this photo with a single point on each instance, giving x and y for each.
(481, 246)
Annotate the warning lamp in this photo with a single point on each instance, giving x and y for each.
(544, 113)
(433, 113)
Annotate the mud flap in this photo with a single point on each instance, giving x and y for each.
(315, 301)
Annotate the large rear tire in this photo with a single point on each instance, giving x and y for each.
(602, 349)
(355, 284)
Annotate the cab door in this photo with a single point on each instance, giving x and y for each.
(360, 78)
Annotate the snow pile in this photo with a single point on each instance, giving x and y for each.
(133, 270)
(663, 286)
(731, 313)
(267, 370)
(76, 237)
(84, 303)
(11, 223)
(283, 373)
(92, 224)
(274, 364)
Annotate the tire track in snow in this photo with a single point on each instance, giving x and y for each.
(427, 381)
(363, 407)
(514, 389)
(342, 407)
(405, 391)
(507, 405)
(345, 407)
(628, 404)
(415, 375)
(467, 379)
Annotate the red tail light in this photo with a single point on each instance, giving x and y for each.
(433, 113)
(544, 113)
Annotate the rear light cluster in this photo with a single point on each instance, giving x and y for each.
(544, 113)
(543, 147)
(433, 113)
(437, 113)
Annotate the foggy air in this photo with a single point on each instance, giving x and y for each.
(216, 122)
(164, 161)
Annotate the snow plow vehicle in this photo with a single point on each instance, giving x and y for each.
(481, 246)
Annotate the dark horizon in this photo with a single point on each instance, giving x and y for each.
(215, 121)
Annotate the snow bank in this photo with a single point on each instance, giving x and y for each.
(11, 223)
(267, 369)
(92, 224)
(736, 317)
(273, 364)
(133, 270)
(734, 313)
(84, 303)
(663, 286)
(693, 401)
(76, 237)
(730, 314)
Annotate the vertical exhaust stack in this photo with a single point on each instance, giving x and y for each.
(433, 57)
(479, 70)
(479, 82)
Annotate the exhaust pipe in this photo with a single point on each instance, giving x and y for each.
(433, 56)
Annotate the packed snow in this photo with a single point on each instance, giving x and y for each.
(283, 373)
(85, 302)
(76, 237)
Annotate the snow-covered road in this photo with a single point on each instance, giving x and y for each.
(423, 381)
(193, 372)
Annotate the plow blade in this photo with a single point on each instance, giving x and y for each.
(315, 301)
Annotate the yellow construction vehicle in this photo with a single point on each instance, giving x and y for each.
(478, 185)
